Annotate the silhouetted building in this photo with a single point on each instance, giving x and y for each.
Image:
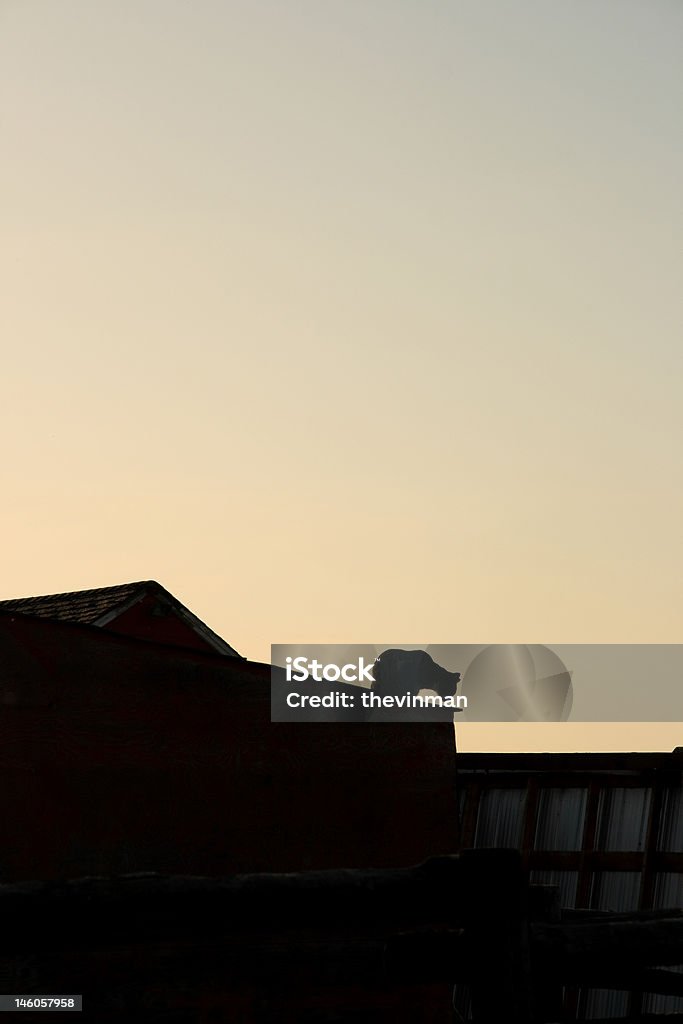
(130, 742)
(144, 610)
(133, 738)
(119, 755)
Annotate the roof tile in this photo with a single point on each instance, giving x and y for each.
(85, 606)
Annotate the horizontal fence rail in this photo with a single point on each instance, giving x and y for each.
(470, 919)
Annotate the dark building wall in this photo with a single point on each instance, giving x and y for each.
(119, 755)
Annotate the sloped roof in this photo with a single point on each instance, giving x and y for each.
(100, 606)
(86, 606)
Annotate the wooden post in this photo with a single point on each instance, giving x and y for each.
(497, 931)
(548, 999)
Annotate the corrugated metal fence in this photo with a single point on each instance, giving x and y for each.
(606, 829)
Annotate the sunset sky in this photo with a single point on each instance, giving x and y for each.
(346, 319)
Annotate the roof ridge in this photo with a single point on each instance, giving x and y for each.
(89, 590)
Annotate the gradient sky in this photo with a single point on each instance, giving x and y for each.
(346, 319)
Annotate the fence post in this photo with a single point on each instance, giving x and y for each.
(497, 933)
(544, 906)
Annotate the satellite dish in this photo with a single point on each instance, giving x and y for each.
(517, 683)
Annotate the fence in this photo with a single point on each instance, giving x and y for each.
(470, 918)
